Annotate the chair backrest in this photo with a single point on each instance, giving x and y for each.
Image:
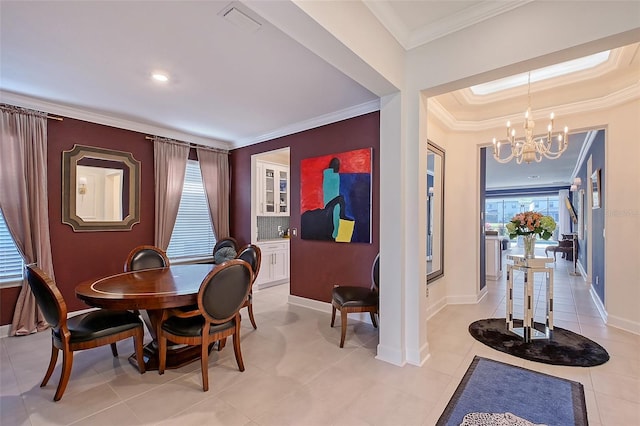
(226, 242)
(48, 297)
(252, 255)
(375, 273)
(146, 257)
(225, 249)
(224, 290)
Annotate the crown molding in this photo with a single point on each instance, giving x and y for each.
(389, 19)
(461, 20)
(611, 64)
(467, 17)
(620, 97)
(322, 120)
(80, 114)
(588, 141)
(98, 118)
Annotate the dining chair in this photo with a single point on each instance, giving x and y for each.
(225, 249)
(146, 257)
(222, 294)
(350, 299)
(84, 331)
(252, 255)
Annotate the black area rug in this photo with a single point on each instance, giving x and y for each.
(564, 348)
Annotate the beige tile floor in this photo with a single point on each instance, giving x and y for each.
(297, 375)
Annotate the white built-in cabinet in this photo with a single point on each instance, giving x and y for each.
(274, 268)
(273, 189)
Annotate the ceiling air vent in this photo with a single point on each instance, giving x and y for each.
(241, 20)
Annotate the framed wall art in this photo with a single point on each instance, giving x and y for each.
(335, 197)
(595, 190)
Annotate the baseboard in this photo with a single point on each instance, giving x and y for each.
(582, 272)
(420, 357)
(262, 286)
(435, 307)
(390, 355)
(599, 306)
(316, 305)
(4, 330)
(466, 300)
(326, 307)
(623, 324)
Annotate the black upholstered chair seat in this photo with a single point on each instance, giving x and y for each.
(97, 324)
(353, 299)
(222, 293)
(192, 326)
(85, 331)
(354, 296)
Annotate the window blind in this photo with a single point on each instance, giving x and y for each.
(11, 264)
(192, 234)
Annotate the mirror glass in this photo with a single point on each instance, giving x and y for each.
(100, 189)
(435, 211)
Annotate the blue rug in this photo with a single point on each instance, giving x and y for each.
(494, 387)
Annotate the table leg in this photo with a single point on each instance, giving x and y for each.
(527, 323)
(509, 297)
(549, 323)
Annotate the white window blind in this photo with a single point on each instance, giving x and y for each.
(11, 265)
(192, 234)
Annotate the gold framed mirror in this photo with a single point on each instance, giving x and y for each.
(435, 211)
(100, 189)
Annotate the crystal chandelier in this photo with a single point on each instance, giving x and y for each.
(531, 148)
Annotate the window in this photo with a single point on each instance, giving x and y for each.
(11, 264)
(192, 235)
(500, 210)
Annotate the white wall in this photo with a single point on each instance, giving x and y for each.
(532, 36)
(622, 216)
(622, 204)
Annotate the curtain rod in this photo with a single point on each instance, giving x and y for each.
(191, 145)
(14, 108)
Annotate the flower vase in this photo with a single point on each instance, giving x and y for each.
(529, 246)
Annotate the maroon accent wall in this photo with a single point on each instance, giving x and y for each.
(316, 266)
(8, 298)
(79, 256)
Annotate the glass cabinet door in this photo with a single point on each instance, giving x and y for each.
(283, 186)
(269, 190)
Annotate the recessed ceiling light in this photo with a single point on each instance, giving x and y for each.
(160, 77)
(541, 74)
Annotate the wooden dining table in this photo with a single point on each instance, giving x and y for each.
(151, 292)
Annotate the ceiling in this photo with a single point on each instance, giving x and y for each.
(230, 84)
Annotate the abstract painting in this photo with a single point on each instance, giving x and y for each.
(335, 197)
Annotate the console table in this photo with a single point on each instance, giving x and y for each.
(529, 266)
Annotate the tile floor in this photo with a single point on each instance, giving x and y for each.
(296, 374)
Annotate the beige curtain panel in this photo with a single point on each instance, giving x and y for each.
(24, 202)
(170, 164)
(214, 167)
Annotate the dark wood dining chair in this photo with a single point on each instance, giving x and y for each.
(350, 299)
(146, 257)
(225, 249)
(222, 294)
(84, 331)
(252, 255)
